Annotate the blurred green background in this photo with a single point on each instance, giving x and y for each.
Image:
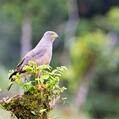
(88, 45)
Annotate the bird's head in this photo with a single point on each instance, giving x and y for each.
(51, 35)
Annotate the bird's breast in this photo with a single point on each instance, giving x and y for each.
(44, 59)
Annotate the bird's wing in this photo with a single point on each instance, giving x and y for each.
(37, 53)
(20, 63)
(30, 56)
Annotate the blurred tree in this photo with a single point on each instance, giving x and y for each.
(26, 34)
(85, 53)
(31, 16)
(90, 8)
(103, 93)
(92, 55)
(95, 62)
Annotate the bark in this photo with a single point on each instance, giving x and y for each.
(69, 30)
(83, 89)
(26, 35)
(72, 22)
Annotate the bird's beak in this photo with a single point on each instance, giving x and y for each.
(55, 35)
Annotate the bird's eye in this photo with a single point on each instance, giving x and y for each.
(52, 33)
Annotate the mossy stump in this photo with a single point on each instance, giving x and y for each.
(39, 92)
(27, 106)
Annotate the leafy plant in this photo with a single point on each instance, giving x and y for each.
(41, 86)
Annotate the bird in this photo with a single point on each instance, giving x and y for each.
(41, 54)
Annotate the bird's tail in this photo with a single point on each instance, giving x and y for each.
(10, 85)
(12, 79)
(14, 73)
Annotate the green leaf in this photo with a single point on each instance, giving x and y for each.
(42, 110)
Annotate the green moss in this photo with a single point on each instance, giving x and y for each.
(38, 92)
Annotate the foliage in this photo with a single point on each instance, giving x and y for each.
(43, 15)
(109, 22)
(39, 91)
(104, 88)
(86, 52)
(103, 46)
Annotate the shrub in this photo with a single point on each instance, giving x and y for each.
(41, 86)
